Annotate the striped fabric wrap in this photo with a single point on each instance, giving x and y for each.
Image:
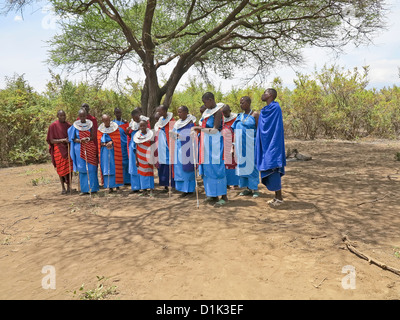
(143, 153)
(201, 146)
(63, 166)
(228, 134)
(90, 148)
(116, 139)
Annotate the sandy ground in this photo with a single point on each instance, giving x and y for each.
(166, 248)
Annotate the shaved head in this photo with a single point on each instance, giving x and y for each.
(82, 115)
(106, 120)
(61, 116)
(226, 110)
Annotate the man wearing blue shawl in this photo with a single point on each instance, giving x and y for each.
(185, 179)
(270, 146)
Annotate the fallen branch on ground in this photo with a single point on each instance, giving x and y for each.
(317, 286)
(389, 176)
(375, 200)
(8, 227)
(382, 265)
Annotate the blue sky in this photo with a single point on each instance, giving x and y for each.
(24, 51)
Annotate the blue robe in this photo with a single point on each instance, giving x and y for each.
(183, 161)
(212, 170)
(231, 177)
(245, 135)
(270, 143)
(124, 149)
(107, 164)
(79, 164)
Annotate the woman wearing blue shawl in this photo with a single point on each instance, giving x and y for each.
(184, 158)
(212, 166)
(270, 146)
(84, 152)
(245, 128)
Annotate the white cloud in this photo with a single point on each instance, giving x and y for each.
(384, 71)
(18, 18)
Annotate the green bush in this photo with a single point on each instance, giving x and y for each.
(331, 103)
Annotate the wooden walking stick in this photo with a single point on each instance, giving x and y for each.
(170, 172)
(69, 170)
(195, 170)
(87, 172)
(109, 169)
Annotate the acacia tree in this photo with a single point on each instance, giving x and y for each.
(99, 36)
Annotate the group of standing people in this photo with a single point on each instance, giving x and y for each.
(225, 149)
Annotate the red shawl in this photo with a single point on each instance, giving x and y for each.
(228, 136)
(58, 130)
(94, 128)
(116, 139)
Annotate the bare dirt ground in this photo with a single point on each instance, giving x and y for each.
(166, 248)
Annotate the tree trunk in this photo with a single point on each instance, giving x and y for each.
(151, 92)
(169, 88)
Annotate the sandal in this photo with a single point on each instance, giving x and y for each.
(209, 200)
(221, 202)
(275, 202)
(245, 193)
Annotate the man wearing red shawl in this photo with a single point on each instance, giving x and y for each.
(91, 118)
(57, 138)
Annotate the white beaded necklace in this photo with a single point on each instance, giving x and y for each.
(251, 111)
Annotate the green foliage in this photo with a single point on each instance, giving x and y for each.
(100, 292)
(191, 95)
(69, 96)
(331, 103)
(306, 108)
(25, 116)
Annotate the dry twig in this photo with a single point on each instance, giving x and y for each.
(382, 265)
(375, 200)
(317, 286)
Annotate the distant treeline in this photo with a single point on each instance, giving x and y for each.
(333, 103)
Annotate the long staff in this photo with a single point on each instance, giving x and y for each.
(109, 169)
(87, 172)
(170, 172)
(169, 162)
(69, 170)
(195, 170)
